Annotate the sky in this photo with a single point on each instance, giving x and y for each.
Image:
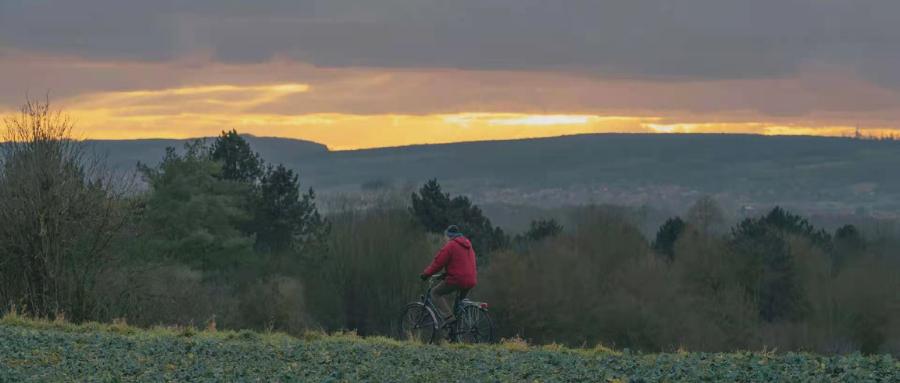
(374, 73)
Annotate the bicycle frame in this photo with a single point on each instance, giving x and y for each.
(459, 305)
(428, 302)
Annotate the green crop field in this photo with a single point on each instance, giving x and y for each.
(49, 351)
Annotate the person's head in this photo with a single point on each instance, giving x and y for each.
(451, 232)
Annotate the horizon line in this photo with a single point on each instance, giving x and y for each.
(670, 134)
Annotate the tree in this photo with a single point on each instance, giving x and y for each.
(849, 243)
(239, 162)
(60, 211)
(431, 206)
(285, 219)
(789, 223)
(667, 235)
(435, 210)
(543, 228)
(706, 215)
(194, 215)
(767, 268)
(767, 273)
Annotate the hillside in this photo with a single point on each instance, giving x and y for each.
(810, 174)
(50, 351)
(125, 154)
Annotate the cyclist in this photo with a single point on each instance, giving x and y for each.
(458, 258)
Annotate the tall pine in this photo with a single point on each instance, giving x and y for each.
(436, 210)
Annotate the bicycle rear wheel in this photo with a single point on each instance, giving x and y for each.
(474, 325)
(418, 324)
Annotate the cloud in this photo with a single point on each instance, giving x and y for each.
(818, 95)
(508, 67)
(369, 107)
(354, 131)
(231, 99)
(657, 39)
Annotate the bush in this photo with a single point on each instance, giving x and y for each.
(369, 270)
(565, 285)
(60, 210)
(179, 295)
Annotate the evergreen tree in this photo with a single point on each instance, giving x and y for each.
(193, 214)
(435, 210)
(767, 269)
(285, 219)
(543, 228)
(794, 224)
(767, 273)
(667, 236)
(239, 162)
(431, 207)
(849, 243)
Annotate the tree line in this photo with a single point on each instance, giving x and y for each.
(773, 281)
(213, 235)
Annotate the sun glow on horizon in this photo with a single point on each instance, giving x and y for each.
(206, 110)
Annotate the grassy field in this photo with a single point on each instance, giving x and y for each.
(53, 351)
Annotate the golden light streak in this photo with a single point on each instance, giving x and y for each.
(286, 88)
(206, 110)
(543, 120)
(338, 131)
(183, 98)
(770, 129)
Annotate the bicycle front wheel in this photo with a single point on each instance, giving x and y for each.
(474, 325)
(417, 324)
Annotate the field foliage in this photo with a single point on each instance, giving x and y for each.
(57, 351)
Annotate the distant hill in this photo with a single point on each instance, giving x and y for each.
(667, 171)
(125, 154)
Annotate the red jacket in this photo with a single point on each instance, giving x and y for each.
(459, 259)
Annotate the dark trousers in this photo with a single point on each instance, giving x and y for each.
(439, 296)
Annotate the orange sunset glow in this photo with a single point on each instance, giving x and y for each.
(186, 81)
(206, 110)
(346, 132)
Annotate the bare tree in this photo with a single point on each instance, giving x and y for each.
(59, 212)
(706, 216)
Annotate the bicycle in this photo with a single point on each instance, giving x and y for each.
(420, 320)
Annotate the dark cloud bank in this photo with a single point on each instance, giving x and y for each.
(666, 39)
